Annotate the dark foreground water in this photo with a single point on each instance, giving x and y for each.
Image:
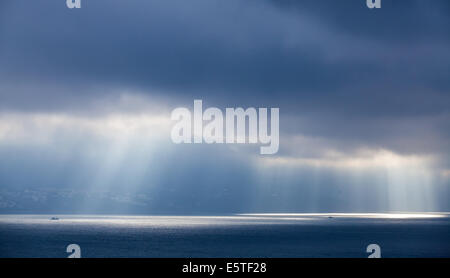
(289, 235)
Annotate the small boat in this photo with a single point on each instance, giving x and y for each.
(54, 218)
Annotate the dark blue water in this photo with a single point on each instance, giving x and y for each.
(299, 235)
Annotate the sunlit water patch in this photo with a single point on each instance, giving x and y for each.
(243, 235)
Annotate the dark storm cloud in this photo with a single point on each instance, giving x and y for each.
(349, 71)
(305, 56)
(399, 21)
(219, 48)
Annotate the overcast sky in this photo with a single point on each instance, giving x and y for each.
(86, 96)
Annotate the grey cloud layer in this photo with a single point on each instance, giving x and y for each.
(322, 59)
(311, 55)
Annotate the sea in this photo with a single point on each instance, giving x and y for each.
(302, 235)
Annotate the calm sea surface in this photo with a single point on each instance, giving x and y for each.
(262, 235)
